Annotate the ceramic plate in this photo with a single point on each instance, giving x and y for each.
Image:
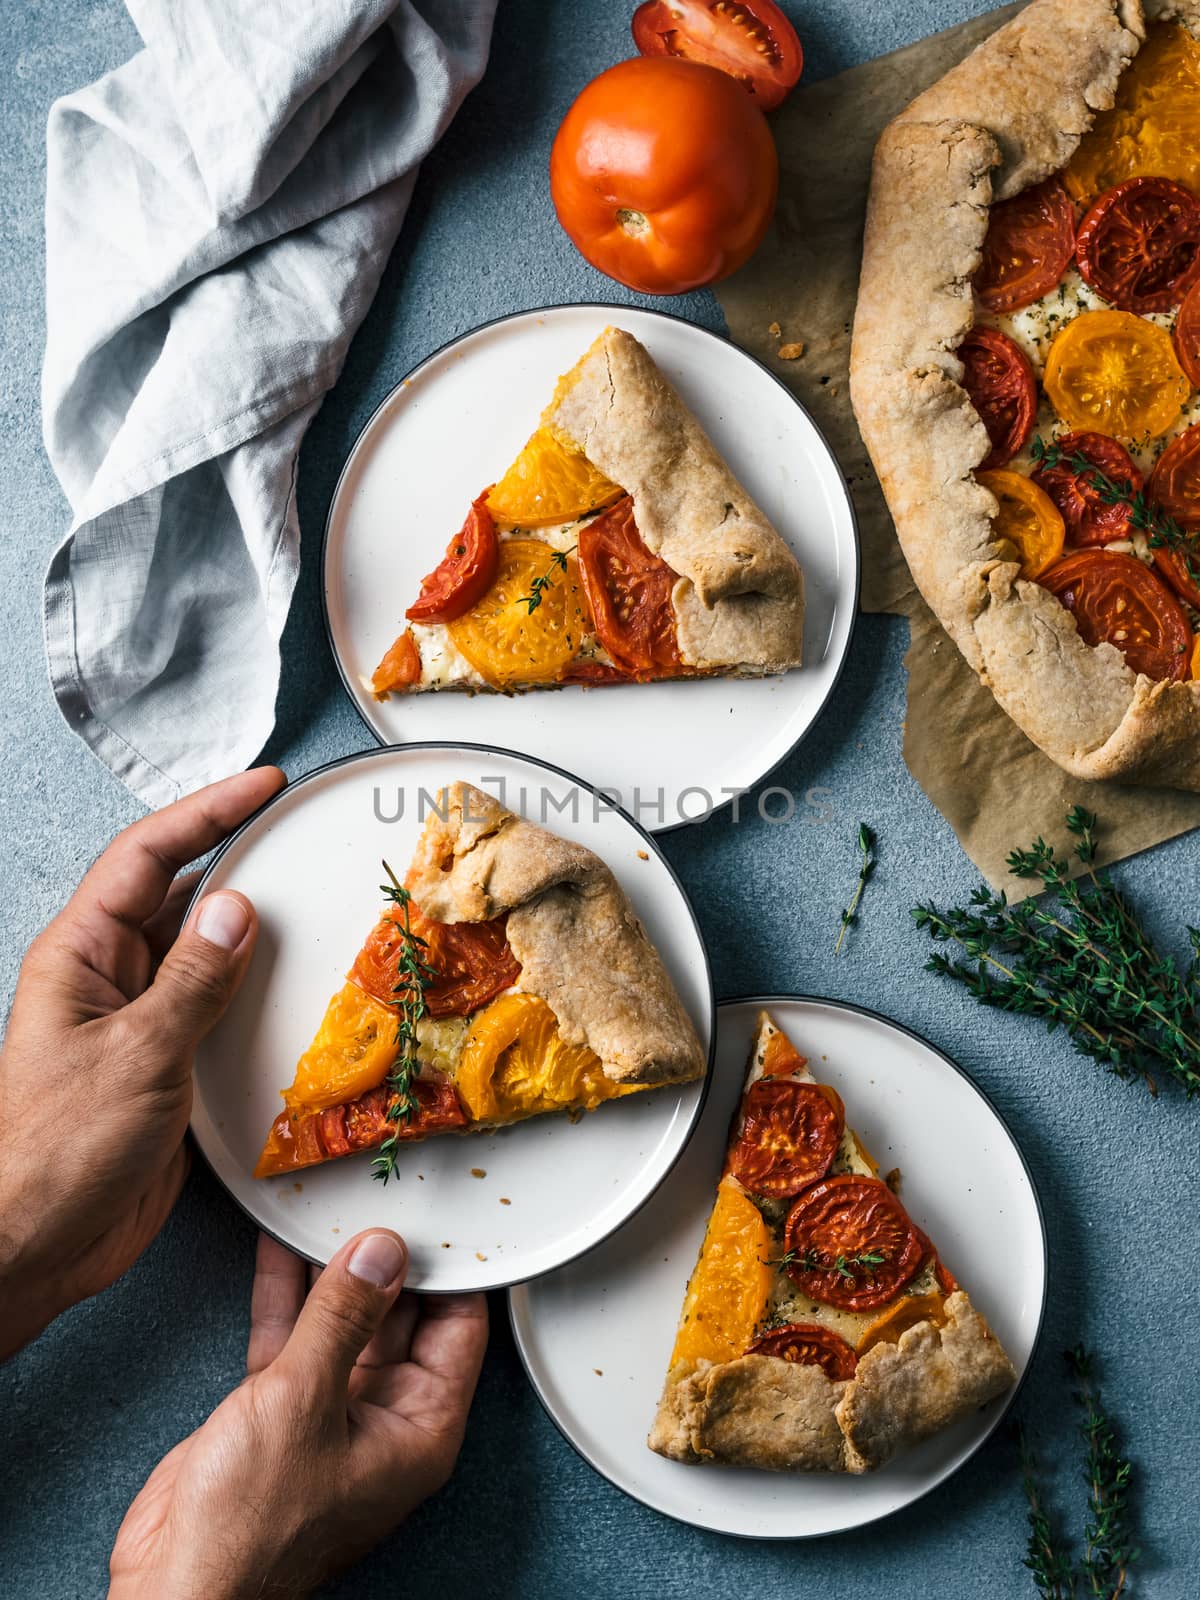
(454, 425)
(595, 1337)
(310, 861)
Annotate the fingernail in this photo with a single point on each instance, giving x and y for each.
(222, 920)
(379, 1259)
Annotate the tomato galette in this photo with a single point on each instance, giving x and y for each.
(506, 977)
(1025, 368)
(618, 547)
(821, 1331)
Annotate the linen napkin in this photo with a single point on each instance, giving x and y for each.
(219, 211)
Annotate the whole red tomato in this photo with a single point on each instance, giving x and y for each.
(664, 174)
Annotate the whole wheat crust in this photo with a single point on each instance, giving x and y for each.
(1008, 116)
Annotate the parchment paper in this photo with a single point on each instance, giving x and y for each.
(994, 787)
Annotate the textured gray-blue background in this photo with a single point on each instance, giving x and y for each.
(93, 1405)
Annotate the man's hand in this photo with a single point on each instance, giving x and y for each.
(352, 1414)
(95, 1075)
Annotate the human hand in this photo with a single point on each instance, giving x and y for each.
(95, 1074)
(352, 1413)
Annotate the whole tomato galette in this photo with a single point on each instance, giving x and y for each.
(1025, 372)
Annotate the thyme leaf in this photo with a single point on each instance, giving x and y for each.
(866, 871)
(544, 580)
(413, 977)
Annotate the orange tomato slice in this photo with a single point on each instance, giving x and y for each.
(516, 1064)
(505, 640)
(350, 1053)
(897, 1319)
(1196, 658)
(550, 481)
(727, 1294)
(1113, 372)
(1027, 518)
(1153, 128)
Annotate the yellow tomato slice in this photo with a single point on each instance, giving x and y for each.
(550, 481)
(515, 1064)
(1113, 372)
(727, 1293)
(1027, 518)
(904, 1314)
(351, 1052)
(1153, 128)
(506, 641)
(1196, 658)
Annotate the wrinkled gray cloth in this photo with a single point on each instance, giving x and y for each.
(218, 214)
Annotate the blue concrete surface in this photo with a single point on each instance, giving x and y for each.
(93, 1405)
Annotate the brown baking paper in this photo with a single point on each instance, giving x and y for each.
(995, 788)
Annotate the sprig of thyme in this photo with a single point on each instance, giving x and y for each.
(1109, 1549)
(812, 1261)
(866, 871)
(413, 977)
(545, 580)
(1144, 514)
(1077, 958)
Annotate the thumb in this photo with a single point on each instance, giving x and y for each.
(345, 1309)
(201, 972)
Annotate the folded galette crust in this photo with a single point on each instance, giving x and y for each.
(739, 602)
(570, 925)
(1008, 116)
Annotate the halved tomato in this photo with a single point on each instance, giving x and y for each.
(851, 1243)
(473, 961)
(1139, 245)
(465, 573)
(1000, 383)
(515, 1063)
(301, 1139)
(1116, 598)
(1187, 335)
(808, 1344)
(1115, 373)
(751, 40)
(550, 481)
(1029, 243)
(1027, 518)
(788, 1136)
(400, 667)
(1175, 488)
(1090, 518)
(520, 632)
(628, 590)
(351, 1052)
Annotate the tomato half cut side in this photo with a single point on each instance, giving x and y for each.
(787, 1137)
(1088, 516)
(1029, 244)
(628, 591)
(851, 1244)
(751, 40)
(1001, 386)
(473, 962)
(466, 571)
(1187, 335)
(808, 1344)
(1139, 245)
(1114, 598)
(1175, 488)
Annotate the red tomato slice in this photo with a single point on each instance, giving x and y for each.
(1175, 488)
(465, 574)
(628, 591)
(473, 962)
(1116, 598)
(809, 1345)
(751, 40)
(1187, 335)
(400, 667)
(1000, 383)
(1030, 241)
(302, 1141)
(594, 672)
(788, 1136)
(1139, 245)
(851, 1242)
(1089, 519)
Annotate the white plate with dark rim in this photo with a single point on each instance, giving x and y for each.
(595, 1337)
(670, 752)
(549, 1190)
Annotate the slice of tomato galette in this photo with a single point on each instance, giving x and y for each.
(1026, 373)
(821, 1330)
(507, 977)
(618, 547)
